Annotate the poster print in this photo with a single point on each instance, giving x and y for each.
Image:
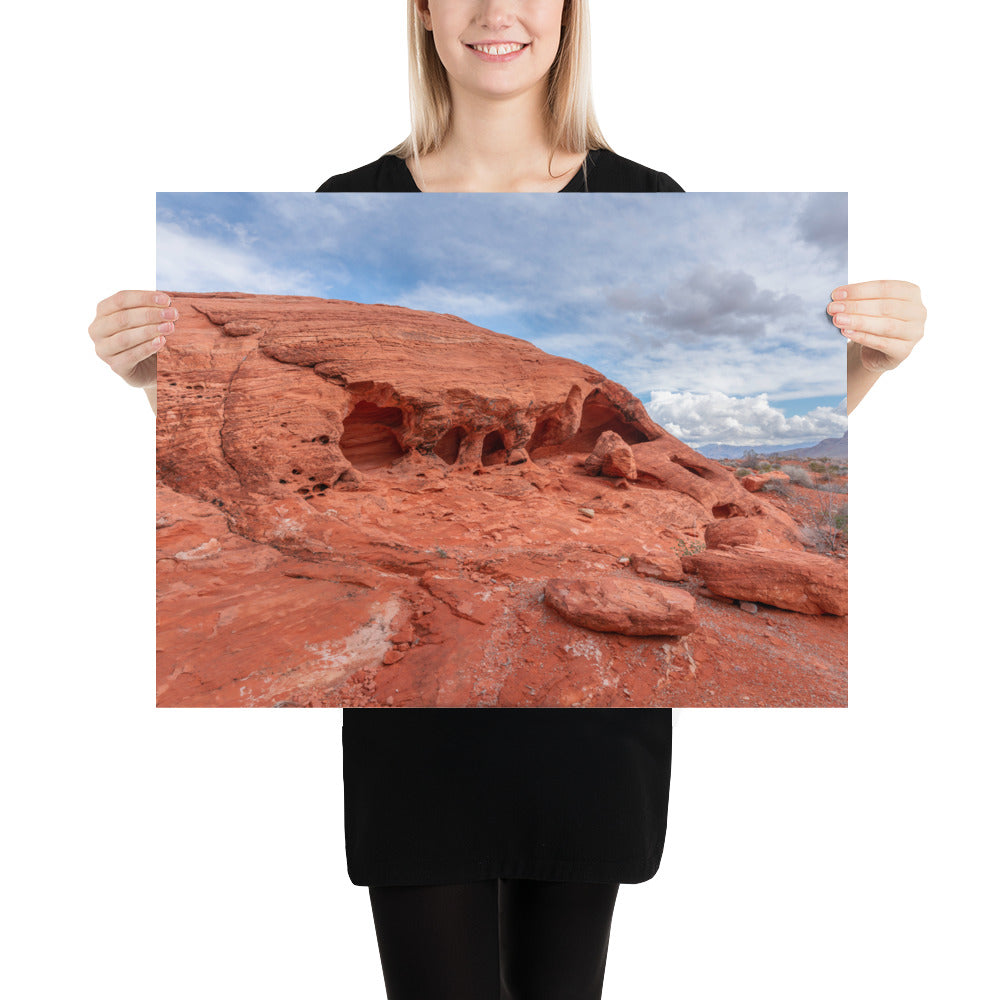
(501, 450)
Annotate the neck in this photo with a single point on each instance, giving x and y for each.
(495, 144)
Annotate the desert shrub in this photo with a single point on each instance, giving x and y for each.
(751, 459)
(840, 520)
(778, 487)
(818, 466)
(797, 475)
(825, 524)
(832, 487)
(765, 466)
(689, 547)
(740, 473)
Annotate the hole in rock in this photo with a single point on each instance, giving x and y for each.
(494, 451)
(548, 430)
(368, 441)
(543, 433)
(700, 473)
(449, 444)
(725, 510)
(598, 416)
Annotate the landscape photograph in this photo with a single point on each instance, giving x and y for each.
(501, 450)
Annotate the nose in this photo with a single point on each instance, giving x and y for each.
(496, 14)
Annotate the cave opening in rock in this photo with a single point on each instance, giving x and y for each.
(725, 510)
(494, 449)
(600, 415)
(545, 430)
(449, 444)
(551, 428)
(369, 440)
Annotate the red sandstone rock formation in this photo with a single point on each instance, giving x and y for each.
(364, 505)
(763, 531)
(799, 581)
(611, 457)
(753, 483)
(631, 607)
(666, 566)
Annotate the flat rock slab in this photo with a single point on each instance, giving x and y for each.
(630, 607)
(797, 581)
(662, 566)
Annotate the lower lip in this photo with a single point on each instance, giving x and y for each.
(507, 57)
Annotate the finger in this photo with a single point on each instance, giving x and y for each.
(131, 300)
(887, 345)
(904, 309)
(878, 290)
(113, 347)
(882, 326)
(130, 319)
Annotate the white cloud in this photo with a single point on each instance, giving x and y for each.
(475, 307)
(714, 417)
(186, 262)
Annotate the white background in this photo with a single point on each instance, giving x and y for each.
(810, 853)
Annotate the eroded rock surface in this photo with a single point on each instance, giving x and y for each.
(611, 457)
(798, 581)
(755, 482)
(631, 607)
(364, 505)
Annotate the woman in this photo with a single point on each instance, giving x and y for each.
(493, 842)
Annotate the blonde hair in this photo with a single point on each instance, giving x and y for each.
(571, 122)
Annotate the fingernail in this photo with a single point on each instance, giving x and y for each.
(836, 307)
(161, 299)
(165, 327)
(169, 314)
(840, 293)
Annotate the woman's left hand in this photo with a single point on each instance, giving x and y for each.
(885, 318)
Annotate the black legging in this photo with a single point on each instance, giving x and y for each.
(501, 939)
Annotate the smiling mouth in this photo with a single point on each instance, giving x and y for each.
(500, 50)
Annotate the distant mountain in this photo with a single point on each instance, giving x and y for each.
(827, 448)
(717, 451)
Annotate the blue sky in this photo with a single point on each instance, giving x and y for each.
(708, 307)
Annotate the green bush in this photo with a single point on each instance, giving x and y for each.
(685, 547)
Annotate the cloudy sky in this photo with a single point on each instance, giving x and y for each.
(708, 307)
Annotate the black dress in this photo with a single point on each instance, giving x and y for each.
(441, 795)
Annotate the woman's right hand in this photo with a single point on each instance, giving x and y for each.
(128, 330)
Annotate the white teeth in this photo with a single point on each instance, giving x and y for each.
(499, 50)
